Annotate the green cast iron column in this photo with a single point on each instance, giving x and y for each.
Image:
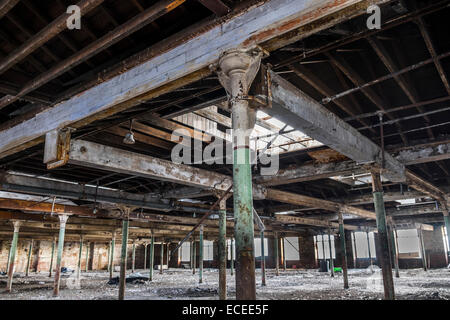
(13, 250)
(30, 249)
(343, 250)
(283, 243)
(123, 256)
(222, 244)
(62, 231)
(385, 260)
(200, 258)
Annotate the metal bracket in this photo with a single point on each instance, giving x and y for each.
(57, 145)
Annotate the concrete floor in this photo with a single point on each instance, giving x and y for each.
(181, 284)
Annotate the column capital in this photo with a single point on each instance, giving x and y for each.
(63, 219)
(16, 225)
(237, 69)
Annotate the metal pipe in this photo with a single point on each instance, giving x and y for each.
(323, 249)
(123, 256)
(200, 258)
(263, 260)
(30, 249)
(62, 229)
(331, 253)
(385, 261)
(111, 261)
(51, 258)
(343, 250)
(167, 254)
(109, 256)
(152, 257)
(397, 273)
(222, 243)
(191, 252)
(16, 225)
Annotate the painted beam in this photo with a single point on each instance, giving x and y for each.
(298, 110)
(182, 64)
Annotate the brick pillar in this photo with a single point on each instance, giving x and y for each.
(307, 252)
(434, 248)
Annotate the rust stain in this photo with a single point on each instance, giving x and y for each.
(327, 156)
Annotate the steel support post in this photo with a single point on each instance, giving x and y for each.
(133, 256)
(422, 248)
(385, 260)
(343, 250)
(236, 70)
(123, 255)
(111, 258)
(13, 250)
(370, 254)
(152, 257)
(62, 230)
(222, 244)
(79, 257)
(51, 257)
(191, 252)
(277, 258)
(30, 249)
(263, 260)
(331, 253)
(200, 257)
(9, 258)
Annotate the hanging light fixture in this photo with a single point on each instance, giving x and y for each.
(129, 137)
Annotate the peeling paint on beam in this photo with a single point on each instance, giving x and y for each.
(188, 61)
